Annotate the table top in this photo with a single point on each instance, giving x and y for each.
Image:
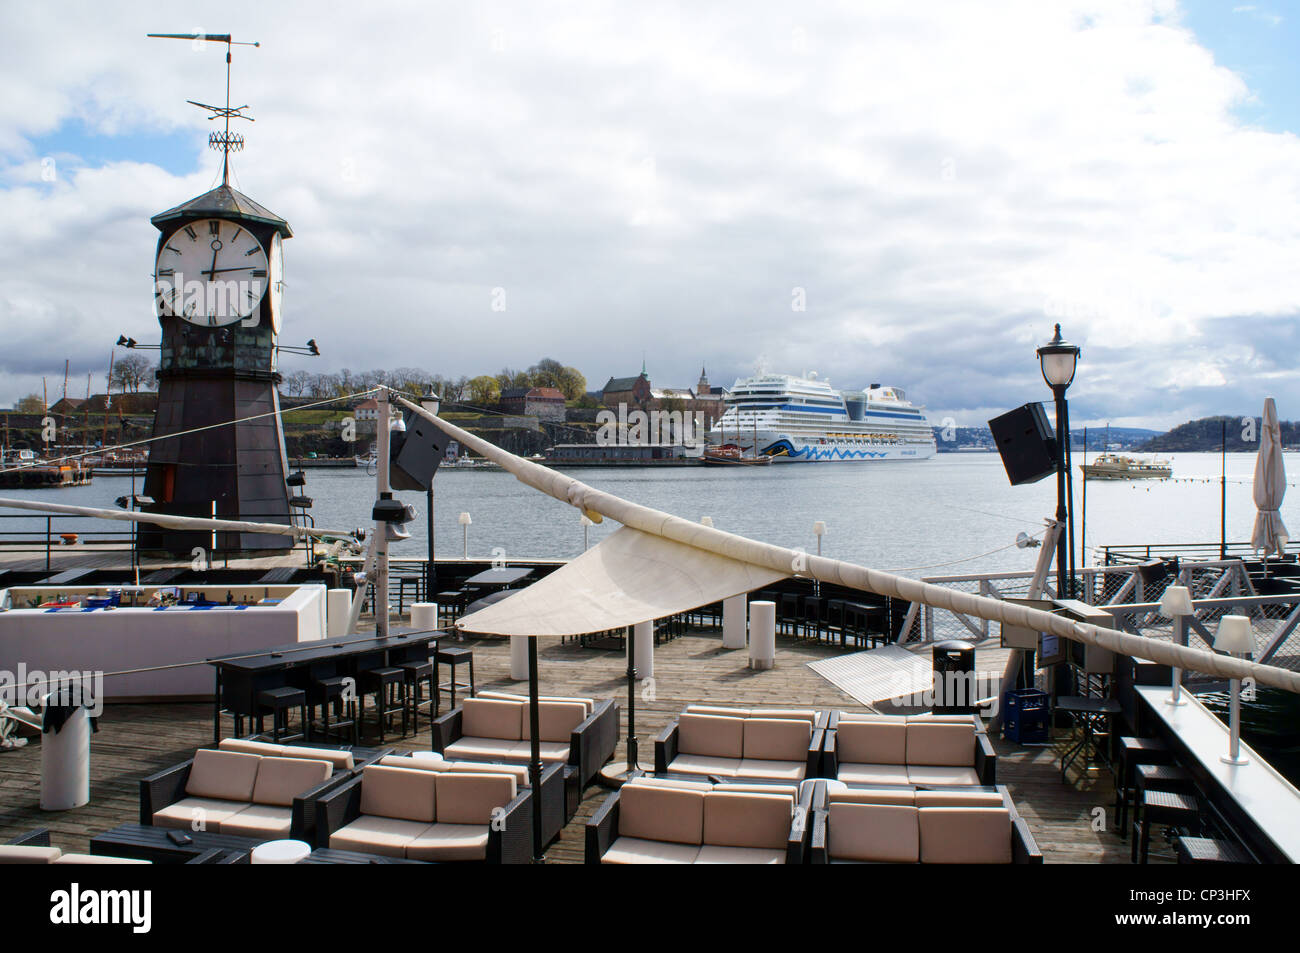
(306, 653)
(1091, 706)
(502, 576)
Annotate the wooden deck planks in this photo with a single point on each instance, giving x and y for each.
(136, 740)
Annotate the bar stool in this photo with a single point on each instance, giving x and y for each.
(453, 656)
(814, 614)
(1165, 778)
(1207, 850)
(328, 692)
(788, 609)
(1133, 752)
(402, 582)
(417, 673)
(389, 688)
(449, 603)
(1162, 807)
(277, 702)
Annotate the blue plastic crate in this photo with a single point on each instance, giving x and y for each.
(1026, 716)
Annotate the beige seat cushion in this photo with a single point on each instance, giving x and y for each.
(745, 819)
(705, 766)
(263, 821)
(415, 764)
(280, 780)
(959, 799)
(932, 718)
(717, 710)
(790, 791)
(26, 854)
(661, 813)
(881, 833)
(776, 739)
(97, 859)
(774, 770)
(786, 714)
(940, 743)
(223, 775)
(556, 721)
(711, 735)
(899, 796)
(713, 854)
(634, 850)
(492, 718)
(854, 773)
(872, 742)
(588, 704)
(206, 813)
(472, 798)
(340, 760)
(682, 784)
(248, 746)
(870, 716)
(517, 771)
(401, 793)
(484, 748)
(938, 774)
(378, 835)
(965, 835)
(449, 842)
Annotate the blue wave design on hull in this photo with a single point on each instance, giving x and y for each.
(813, 454)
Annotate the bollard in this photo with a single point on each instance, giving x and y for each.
(762, 635)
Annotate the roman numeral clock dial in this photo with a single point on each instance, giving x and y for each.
(213, 273)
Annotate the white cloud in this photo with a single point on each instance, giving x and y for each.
(945, 180)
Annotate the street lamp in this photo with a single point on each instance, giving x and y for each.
(586, 523)
(1237, 639)
(1059, 359)
(464, 521)
(819, 530)
(429, 401)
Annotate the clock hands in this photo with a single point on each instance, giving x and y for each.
(217, 270)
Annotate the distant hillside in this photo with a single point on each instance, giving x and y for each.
(1207, 433)
(979, 438)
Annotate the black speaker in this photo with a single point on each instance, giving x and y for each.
(415, 454)
(1025, 441)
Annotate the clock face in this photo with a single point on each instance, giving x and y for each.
(211, 272)
(276, 289)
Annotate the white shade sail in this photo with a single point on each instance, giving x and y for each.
(1269, 535)
(629, 577)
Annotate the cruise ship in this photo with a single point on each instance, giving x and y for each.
(805, 420)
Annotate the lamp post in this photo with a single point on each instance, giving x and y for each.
(586, 525)
(1237, 639)
(706, 521)
(819, 530)
(464, 521)
(430, 402)
(1058, 359)
(1177, 604)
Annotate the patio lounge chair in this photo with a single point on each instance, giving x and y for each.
(914, 749)
(554, 813)
(240, 793)
(668, 821)
(773, 744)
(429, 815)
(494, 726)
(34, 848)
(905, 824)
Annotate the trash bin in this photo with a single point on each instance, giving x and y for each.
(954, 678)
(65, 755)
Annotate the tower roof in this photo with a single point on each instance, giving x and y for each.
(223, 202)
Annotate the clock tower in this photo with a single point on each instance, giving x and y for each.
(218, 443)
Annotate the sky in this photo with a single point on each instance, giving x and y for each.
(906, 193)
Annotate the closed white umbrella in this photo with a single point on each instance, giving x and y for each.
(1269, 535)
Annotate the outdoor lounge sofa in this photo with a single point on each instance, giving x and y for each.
(672, 821)
(242, 793)
(554, 814)
(908, 824)
(429, 815)
(34, 848)
(742, 743)
(867, 748)
(494, 726)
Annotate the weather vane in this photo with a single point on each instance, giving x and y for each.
(226, 141)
